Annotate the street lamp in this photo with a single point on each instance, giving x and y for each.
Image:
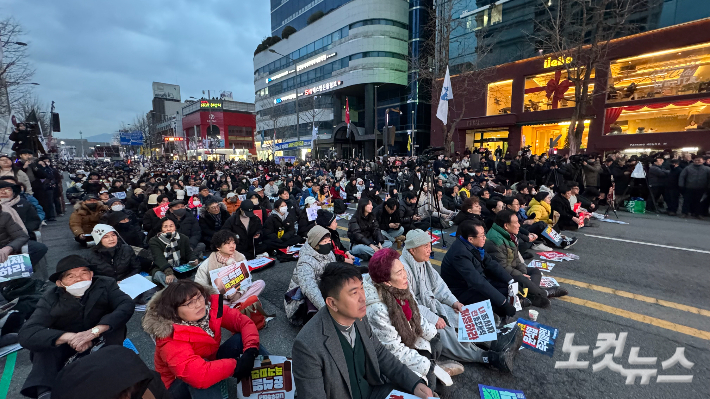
(298, 122)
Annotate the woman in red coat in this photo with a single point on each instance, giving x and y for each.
(186, 323)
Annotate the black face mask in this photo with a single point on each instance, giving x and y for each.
(91, 206)
(179, 212)
(325, 249)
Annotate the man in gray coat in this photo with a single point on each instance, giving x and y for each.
(693, 182)
(336, 353)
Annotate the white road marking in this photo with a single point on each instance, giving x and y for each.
(648, 243)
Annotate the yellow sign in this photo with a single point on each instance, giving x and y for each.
(208, 104)
(549, 62)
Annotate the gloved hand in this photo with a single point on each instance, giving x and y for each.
(245, 363)
(4, 253)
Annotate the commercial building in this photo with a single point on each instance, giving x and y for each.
(354, 55)
(218, 129)
(651, 92)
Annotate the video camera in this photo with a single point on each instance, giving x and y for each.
(429, 155)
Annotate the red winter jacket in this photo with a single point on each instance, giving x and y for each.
(188, 352)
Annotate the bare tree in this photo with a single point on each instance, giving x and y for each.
(15, 70)
(31, 105)
(578, 35)
(311, 109)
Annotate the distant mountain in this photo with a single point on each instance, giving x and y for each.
(100, 138)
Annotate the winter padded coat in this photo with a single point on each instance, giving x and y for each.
(245, 236)
(188, 352)
(11, 234)
(306, 275)
(188, 226)
(542, 211)
(367, 232)
(208, 225)
(83, 219)
(504, 250)
(273, 223)
(119, 262)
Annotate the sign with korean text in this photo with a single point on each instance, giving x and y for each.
(548, 282)
(271, 378)
(552, 235)
(16, 266)
(160, 210)
(119, 194)
(489, 392)
(258, 263)
(312, 213)
(229, 279)
(293, 144)
(476, 323)
(191, 190)
(542, 265)
(538, 337)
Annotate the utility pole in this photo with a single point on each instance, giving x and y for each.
(376, 86)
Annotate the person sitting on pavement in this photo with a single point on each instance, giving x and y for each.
(86, 215)
(264, 202)
(304, 224)
(438, 305)
(247, 226)
(339, 338)
(231, 203)
(540, 207)
(111, 257)
(493, 206)
(169, 249)
(151, 217)
(116, 373)
(364, 232)
(13, 235)
(186, 322)
(408, 211)
(187, 225)
(10, 196)
(224, 244)
(133, 202)
(470, 209)
(204, 195)
(69, 320)
(211, 221)
(327, 219)
(393, 314)
(280, 228)
(387, 214)
(472, 274)
(569, 219)
(271, 189)
(129, 231)
(303, 298)
(116, 205)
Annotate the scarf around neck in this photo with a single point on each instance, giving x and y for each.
(403, 312)
(203, 323)
(172, 249)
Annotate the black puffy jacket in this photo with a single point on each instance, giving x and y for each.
(119, 262)
(209, 225)
(11, 233)
(245, 236)
(366, 231)
(273, 223)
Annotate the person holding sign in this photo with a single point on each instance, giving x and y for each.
(169, 249)
(306, 223)
(280, 228)
(339, 345)
(186, 323)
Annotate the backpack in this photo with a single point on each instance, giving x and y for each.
(339, 207)
(253, 310)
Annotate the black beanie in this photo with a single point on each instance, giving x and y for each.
(324, 218)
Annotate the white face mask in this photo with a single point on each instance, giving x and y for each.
(78, 289)
(196, 203)
(283, 209)
(117, 208)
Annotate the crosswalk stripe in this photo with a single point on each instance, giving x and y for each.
(637, 297)
(639, 317)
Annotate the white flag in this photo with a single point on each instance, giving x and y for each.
(638, 172)
(314, 136)
(442, 112)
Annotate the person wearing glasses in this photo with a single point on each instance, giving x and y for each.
(186, 323)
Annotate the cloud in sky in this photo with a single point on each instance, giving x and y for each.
(97, 59)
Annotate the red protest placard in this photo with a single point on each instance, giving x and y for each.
(160, 210)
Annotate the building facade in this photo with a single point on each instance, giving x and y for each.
(355, 56)
(217, 129)
(652, 92)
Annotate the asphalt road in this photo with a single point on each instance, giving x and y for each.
(658, 295)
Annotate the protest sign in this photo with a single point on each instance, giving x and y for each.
(242, 197)
(542, 265)
(548, 282)
(552, 235)
(16, 266)
(229, 279)
(558, 256)
(191, 190)
(258, 263)
(538, 337)
(513, 296)
(312, 213)
(161, 209)
(576, 207)
(401, 395)
(489, 392)
(476, 323)
(185, 268)
(135, 285)
(120, 195)
(271, 378)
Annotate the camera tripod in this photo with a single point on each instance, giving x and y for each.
(430, 178)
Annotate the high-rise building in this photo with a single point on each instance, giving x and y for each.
(356, 54)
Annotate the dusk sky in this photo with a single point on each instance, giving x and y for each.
(97, 59)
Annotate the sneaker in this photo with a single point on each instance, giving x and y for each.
(568, 242)
(501, 361)
(555, 292)
(541, 247)
(451, 367)
(540, 301)
(508, 337)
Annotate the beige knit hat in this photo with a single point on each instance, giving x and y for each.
(316, 234)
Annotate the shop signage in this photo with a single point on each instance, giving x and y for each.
(646, 144)
(210, 104)
(293, 144)
(314, 61)
(308, 92)
(549, 62)
(492, 121)
(279, 75)
(171, 138)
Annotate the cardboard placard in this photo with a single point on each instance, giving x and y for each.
(135, 285)
(538, 337)
(489, 392)
(258, 263)
(312, 213)
(191, 190)
(119, 194)
(552, 235)
(548, 282)
(401, 395)
(557, 256)
(160, 210)
(476, 323)
(542, 265)
(513, 296)
(271, 378)
(229, 279)
(16, 266)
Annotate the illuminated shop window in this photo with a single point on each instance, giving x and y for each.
(551, 90)
(664, 73)
(538, 136)
(498, 100)
(675, 116)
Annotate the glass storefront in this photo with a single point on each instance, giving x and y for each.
(490, 139)
(538, 136)
(498, 100)
(664, 73)
(672, 116)
(550, 90)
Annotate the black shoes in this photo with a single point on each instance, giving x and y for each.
(568, 242)
(525, 302)
(508, 337)
(555, 292)
(527, 256)
(539, 301)
(504, 350)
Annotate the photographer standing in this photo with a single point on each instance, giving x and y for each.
(657, 181)
(592, 169)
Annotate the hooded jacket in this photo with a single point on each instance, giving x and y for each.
(83, 219)
(119, 262)
(504, 250)
(306, 275)
(188, 352)
(542, 211)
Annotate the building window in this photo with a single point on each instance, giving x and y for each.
(538, 136)
(499, 94)
(497, 14)
(551, 90)
(664, 73)
(675, 116)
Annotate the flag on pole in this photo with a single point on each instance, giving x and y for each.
(409, 143)
(347, 117)
(442, 112)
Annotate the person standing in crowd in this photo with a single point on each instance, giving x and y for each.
(339, 338)
(364, 232)
(86, 215)
(7, 168)
(186, 323)
(672, 193)
(169, 249)
(657, 178)
(10, 196)
(69, 319)
(694, 181)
